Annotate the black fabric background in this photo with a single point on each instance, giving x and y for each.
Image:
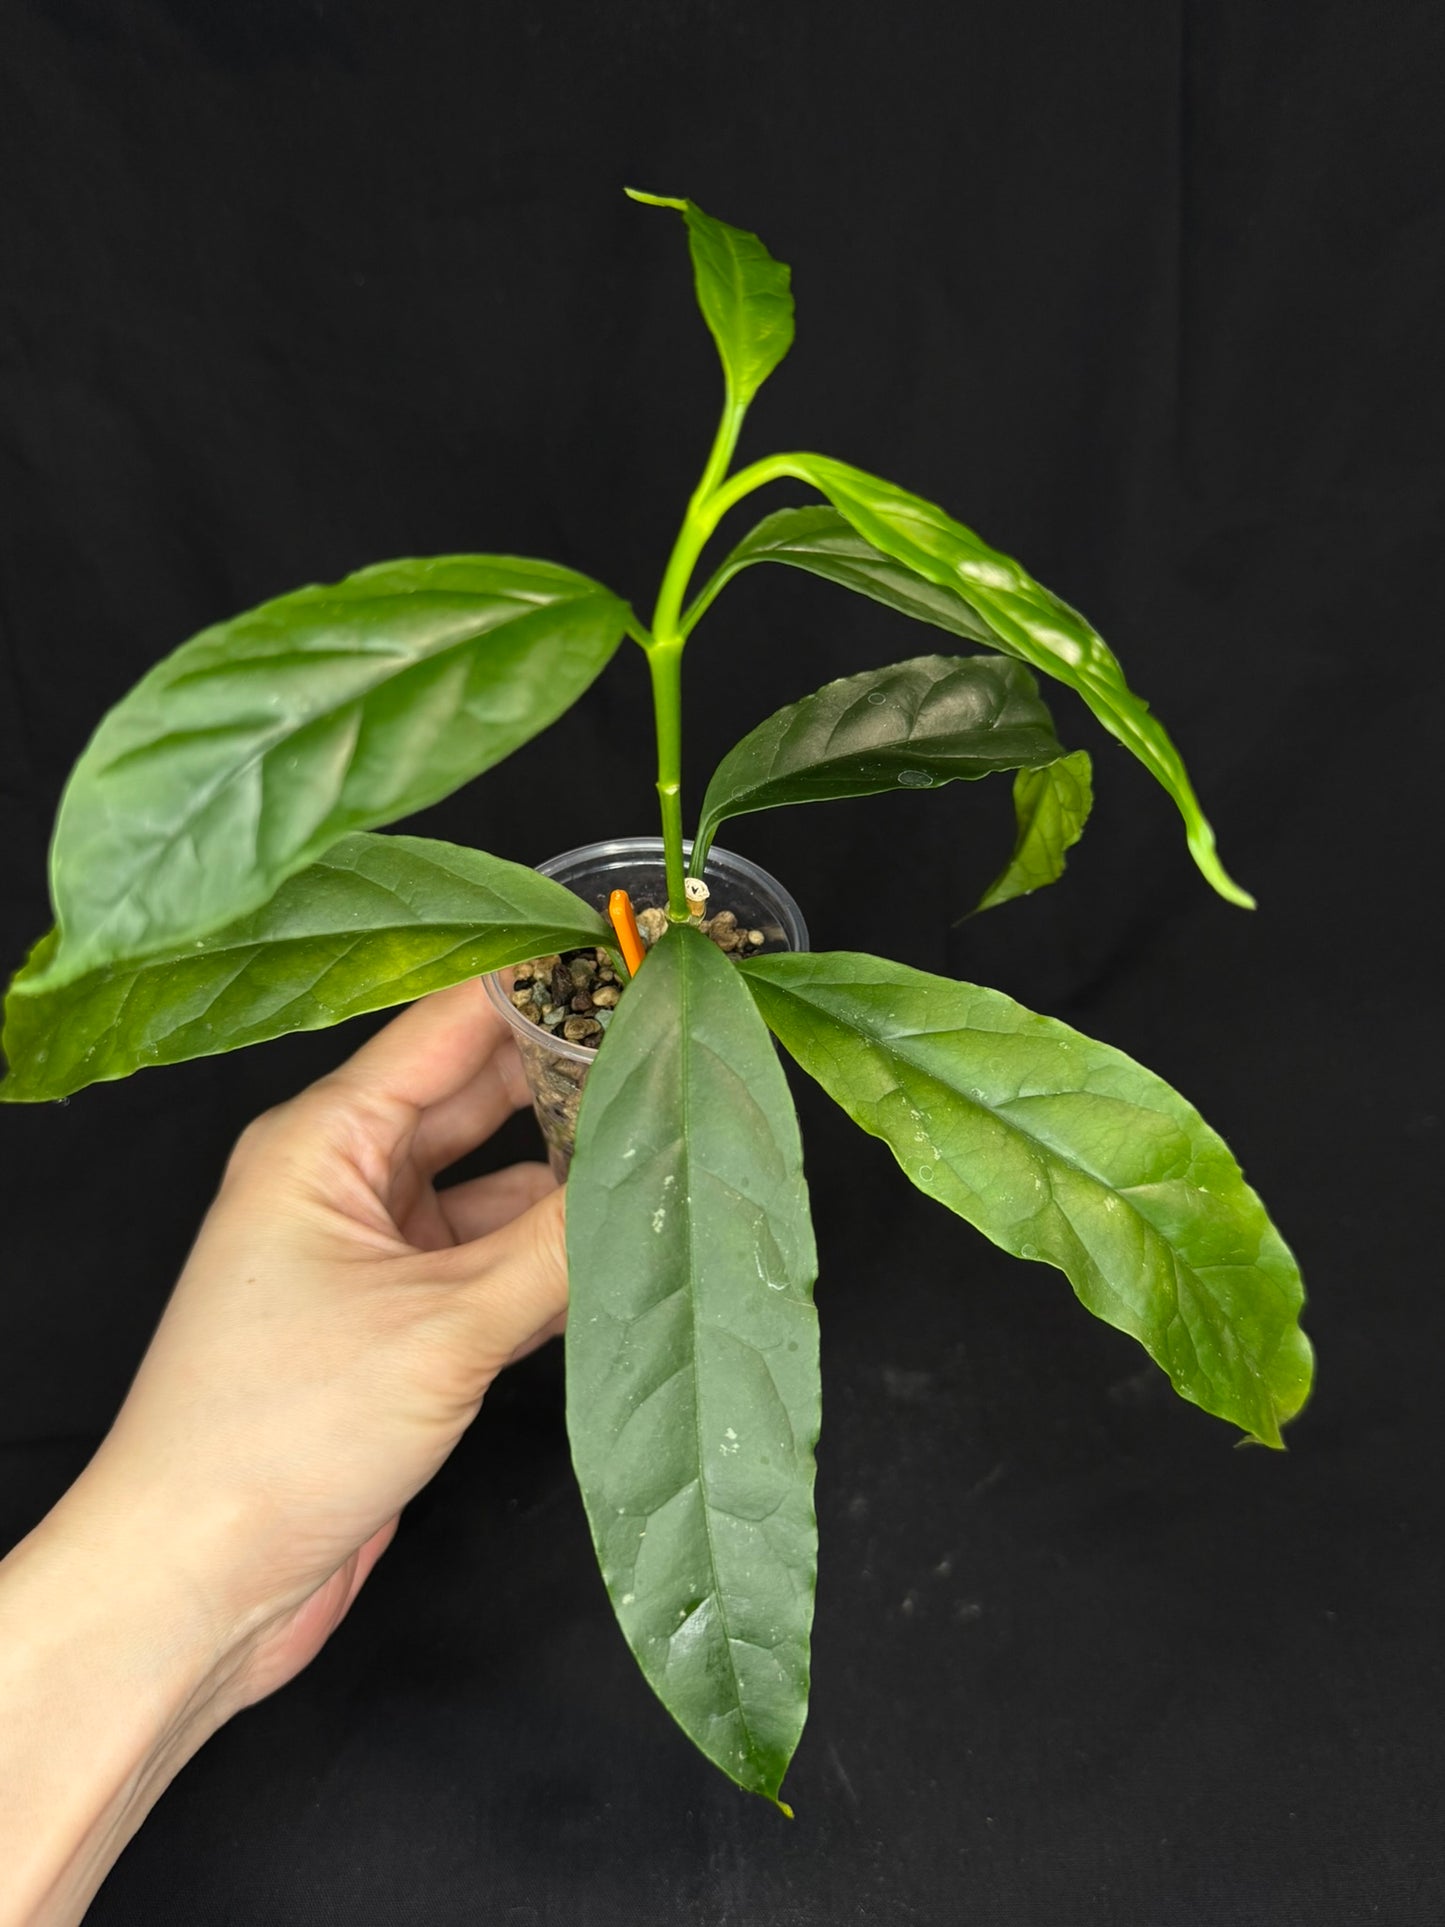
(1149, 294)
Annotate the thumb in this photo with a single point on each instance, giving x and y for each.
(513, 1282)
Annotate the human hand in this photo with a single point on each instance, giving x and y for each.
(333, 1334)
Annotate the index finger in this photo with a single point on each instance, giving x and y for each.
(436, 1048)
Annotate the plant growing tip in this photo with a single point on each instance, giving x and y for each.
(217, 881)
(654, 200)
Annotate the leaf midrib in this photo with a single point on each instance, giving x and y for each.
(685, 1188)
(837, 765)
(1178, 1264)
(838, 761)
(1185, 1278)
(423, 927)
(234, 772)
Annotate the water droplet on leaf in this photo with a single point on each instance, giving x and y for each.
(915, 779)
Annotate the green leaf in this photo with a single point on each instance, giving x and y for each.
(1063, 1150)
(913, 725)
(743, 293)
(1023, 618)
(378, 920)
(1051, 805)
(692, 1356)
(256, 745)
(817, 538)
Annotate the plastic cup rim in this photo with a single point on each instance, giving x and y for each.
(620, 846)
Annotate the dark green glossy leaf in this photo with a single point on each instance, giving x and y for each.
(378, 920)
(1063, 1150)
(817, 538)
(692, 1356)
(1023, 618)
(913, 725)
(1051, 806)
(256, 745)
(743, 293)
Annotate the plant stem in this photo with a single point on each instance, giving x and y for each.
(664, 660)
(709, 503)
(698, 523)
(664, 647)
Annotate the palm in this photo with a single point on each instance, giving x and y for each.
(290, 1645)
(395, 1193)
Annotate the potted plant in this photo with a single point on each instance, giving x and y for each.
(217, 880)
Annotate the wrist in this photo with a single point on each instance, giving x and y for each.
(112, 1674)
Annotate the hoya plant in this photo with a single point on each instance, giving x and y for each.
(217, 880)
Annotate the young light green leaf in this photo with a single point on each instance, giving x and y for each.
(1051, 806)
(376, 921)
(255, 746)
(823, 542)
(1061, 1149)
(692, 1356)
(743, 293)
(912, 725)
(1024, 619)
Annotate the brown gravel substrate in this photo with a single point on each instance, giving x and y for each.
(573, 996)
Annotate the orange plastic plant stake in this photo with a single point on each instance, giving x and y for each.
(619, 910)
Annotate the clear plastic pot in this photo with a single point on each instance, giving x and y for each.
(556, 1069)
